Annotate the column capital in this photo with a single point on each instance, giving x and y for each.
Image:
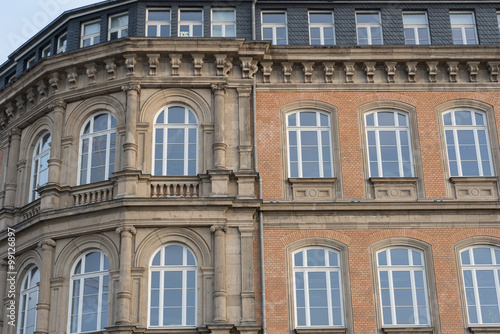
(219, 88)
(131, 87)
(15, 132)
(244, 91)
(58, 105)
(47, 244)
(129, 229)
(215, 228)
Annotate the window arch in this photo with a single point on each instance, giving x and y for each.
(389, 144)
(467, 144)
(40, 165)
(317, 286)
(403, 287)
(481, 273)
(309, 144)
(97, 148)
(173, 287)
(28, 301)
(175, 142)
(89, 293)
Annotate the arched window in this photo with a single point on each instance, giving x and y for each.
(28, 301)
(40, 165)
(467, 143)
(175, 142)
(481, 271)
(309, 144)
(403, 287)
(388, 140)
(97, 148)
(89, 293)
(173, 299)
(317, 288)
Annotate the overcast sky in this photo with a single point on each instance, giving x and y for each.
(22, 19)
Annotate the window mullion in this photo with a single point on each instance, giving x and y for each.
(184, 296)
(186, 150)
(478, 152)
(80, 300)
(497, 285)
(416, 319)
(320, 153)
(306, 298)
(476, 297)
(329, 296)
(164, 148)
(457, 152)
(400, 154)
(379, 153)
(391, 297)
(99, 300)
(299, 151)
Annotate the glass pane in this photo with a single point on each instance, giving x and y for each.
(385, 119)
(92, 262)
(461, 18)
(89, 322)
(223, 15)
(315, 257)
(298, 259)
(152, 31)
(191, 15)
(404, 315)
(176, 115)
(465, 257)
(292, 120)
(159, 15)
(401, 279)
(92, 28)
(370, 120)
(165, 31)
(172, 316)
(319, 317)
(382, 259)
(414, 18)
(463, 118)
(399, 257)
(273, 18)
(321, 18)
(100, 123)
(367, 18)
(119, 21)
(216, 31)
(197, 31)
(174, 255)
(485, 278)
(333, 259)
(172, 279)
(482, 256)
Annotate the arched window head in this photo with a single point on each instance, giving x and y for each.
(28, 302)
(175, 142)
(40, 165)
(403, 287)
(97, 148)
(173, 298)
(467, 143)
(481, 272)
(309, 144)
(89, 293)
(318, 288)
(388, 140)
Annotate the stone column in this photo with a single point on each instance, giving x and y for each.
(43, 306)
(3, 278)
(219, 146)
(124, 294)
(220, 294)
(130, 146)
(245, 144)
(58, 108)
(11, 175)
(247, 293)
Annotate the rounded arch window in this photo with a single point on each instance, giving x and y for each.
(173, 287)
(97, 148)
(175, 151)
(28, 302)
(40, 165)
(89, 293)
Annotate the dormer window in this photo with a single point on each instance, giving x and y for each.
(91, 33)
(62, 41)
(118, 26)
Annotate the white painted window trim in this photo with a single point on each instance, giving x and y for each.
(222, 23)
(90, 36)
(415, 28)
(322, 27)
(118, 29)
(30, 62)
(44, 52)
(273, 26)
(36, 162)
(61, 49)
(190, 23)
(369, 26)
(23, 307)
(158, 24)
(462, 27)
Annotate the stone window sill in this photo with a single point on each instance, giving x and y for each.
(475, 188)
(408, 330)
(320, 330)
(485, 330)
(394, 188)
(319, 189)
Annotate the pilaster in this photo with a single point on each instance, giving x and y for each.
(124, 294)
(220, 295)
(219, 146)
(11, 175)
(43, 306)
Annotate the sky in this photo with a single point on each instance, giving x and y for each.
(22, 19)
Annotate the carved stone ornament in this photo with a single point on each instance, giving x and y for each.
(72, 75)
(349, 69)
(9, 111)
(54, 81)
(91, 70)
(130, 61)
(390, 68)
(329, 68)
(224, 64)
(287, 71)
(411, 68)
(198, 64)
(131, 86)
(215, 228)
(267, 68)
(219, 87)
(452, 70)
(20, 104)
(31, 97)
(4, 121)
(308, 71)
(473, 68)
(248, 67)
(111, 68)
(175, 61)
(493, 68)
(369, 67)
(432, 69)
(47, 243)
(153, 62)
(59, 104)
(42, 88)
(130, 229)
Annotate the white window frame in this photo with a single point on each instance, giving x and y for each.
(415, 28)
(119, 29)
(395, 128)
(322, 27)
(90, 136)
(475, 128)
(166, 126)
(184, 268)
(368, 27)
(222, 23)
(62, 48)
(158, 24)
(190, 23)
(35, 166)
(47, 51)
(29, 290)
(298, 129)
(411, 268)
(30, 62)
(273, 26)
(328, 270)
(462, 27)
(103, 272)
(91, 36)
(498, 21)
(473, 268)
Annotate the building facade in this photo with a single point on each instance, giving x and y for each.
(253, 167)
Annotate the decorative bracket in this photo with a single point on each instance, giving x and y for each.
(130, 61)
(287, 71)
(111, 68)
(31, 97)
(198, 64)
(153, 61)
(267, 68)
(91, 73)
(72, 75)
(54, 81)
(452, 70)
(248, 67)
(411, 68)
(369, 67)
(432, 69)
(349, 69)
(493, 68)
(390, 68)
(20, 104)
(175, 61)
(329, 70)
(224, 64)
(308, 71)
(41, 87)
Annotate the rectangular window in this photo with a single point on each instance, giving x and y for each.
(321, 28)
(62, 41)
(369, 28)
(118, 26)
(30, 62)
(498, 21)
(274, 28)
(91, 34)
(416, 28)
(47, 51)
(463, 28)
(158, 23)
(10, 78)
(223, 23)
(190, 23)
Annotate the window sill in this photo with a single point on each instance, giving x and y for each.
(394, 188)
(319, 189)
(475, 188)
(406, 330)
(488, 330)
(320, 330)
